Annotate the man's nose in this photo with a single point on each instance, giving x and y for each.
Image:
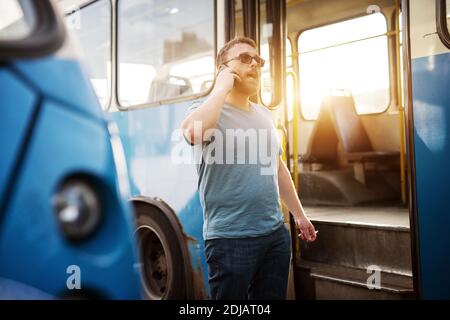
(253, 63)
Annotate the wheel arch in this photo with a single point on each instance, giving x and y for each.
(161, 206)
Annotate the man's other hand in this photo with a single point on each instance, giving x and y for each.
(306, 229)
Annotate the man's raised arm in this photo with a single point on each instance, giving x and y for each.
(207, 114)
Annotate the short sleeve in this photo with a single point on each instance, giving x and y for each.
(279, 134)
(195, 104)
(274, 129)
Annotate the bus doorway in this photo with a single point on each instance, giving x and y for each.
(344, 118)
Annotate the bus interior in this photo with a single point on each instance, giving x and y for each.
(344, 88)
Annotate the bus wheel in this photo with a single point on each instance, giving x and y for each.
(162, 272)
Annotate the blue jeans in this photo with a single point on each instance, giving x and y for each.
(249, 268)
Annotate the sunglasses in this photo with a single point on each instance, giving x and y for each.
(247, 59)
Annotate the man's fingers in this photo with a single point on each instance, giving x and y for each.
(301, 234)
(230, 71)
(309, 236)
(304, 234)
(314, 232)
(306, 231)
(236, 77)
(222, 67)
(309, 233)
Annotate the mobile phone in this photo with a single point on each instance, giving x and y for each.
(223, 66)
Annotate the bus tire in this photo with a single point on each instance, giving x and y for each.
(163, 267)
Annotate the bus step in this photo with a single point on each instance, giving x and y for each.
(352, 239)
(325, 281)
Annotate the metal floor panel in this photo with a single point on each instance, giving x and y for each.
(396, 217)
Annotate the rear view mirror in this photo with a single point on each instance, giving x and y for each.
(29, 29)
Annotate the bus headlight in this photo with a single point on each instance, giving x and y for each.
(77, 209)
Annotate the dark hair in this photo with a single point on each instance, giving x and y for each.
(223, 53)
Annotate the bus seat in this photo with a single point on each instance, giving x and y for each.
(322, 146)
(164, 89)
(353, 137)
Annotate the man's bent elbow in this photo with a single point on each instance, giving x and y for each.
(190, 134)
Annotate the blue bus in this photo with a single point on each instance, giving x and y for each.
(358, 90)
(66, 230)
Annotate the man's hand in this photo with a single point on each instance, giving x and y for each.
(225, 79)
(306, 228)
(208, 113)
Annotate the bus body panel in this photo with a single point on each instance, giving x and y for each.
(160, 164)
(18, 104)
(13, 290)
(62, 79)
(69, 137)
(431, 102)
(430, 68)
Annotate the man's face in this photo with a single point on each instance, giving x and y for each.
(249, 73)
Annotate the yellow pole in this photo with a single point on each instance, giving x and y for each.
(294, 131)
(400, 103)
(294, 168)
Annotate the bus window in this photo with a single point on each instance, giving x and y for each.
(448, 14)
(400, 38)
(15, 23)
(238, 18)
(351, 55)
(266, 28)
(165, 50)
(93, 30)
(289, 81)
(288, 54)
(290, 95)
(266, 82)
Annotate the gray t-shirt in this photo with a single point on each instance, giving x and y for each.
(238, 174)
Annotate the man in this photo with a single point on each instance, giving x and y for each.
(247, 246)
